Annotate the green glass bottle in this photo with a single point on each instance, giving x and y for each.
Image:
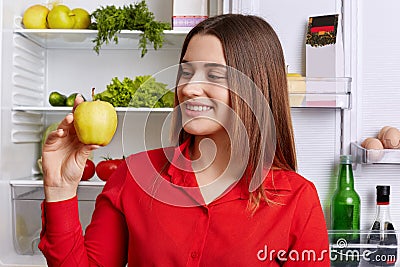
(345, 215)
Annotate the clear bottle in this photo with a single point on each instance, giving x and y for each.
(382, 231)
(345, 216)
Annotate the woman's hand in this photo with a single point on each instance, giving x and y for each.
(63, 160)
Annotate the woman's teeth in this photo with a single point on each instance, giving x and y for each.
(197, 108)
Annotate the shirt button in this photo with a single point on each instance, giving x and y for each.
(194, 254)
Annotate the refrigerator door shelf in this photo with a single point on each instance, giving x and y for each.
(320, 92)
(364, 248)
(374, 156)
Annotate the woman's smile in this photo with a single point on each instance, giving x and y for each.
(195, 109)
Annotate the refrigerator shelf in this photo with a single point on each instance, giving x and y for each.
(326, 100)
(83, 39)
(68, 109)
(374, 156)
(304, 92)
(36, 181)
(27, 195)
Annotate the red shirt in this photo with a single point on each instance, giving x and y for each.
(146, 220)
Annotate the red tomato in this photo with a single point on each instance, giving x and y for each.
(105, 168)
(89, 170)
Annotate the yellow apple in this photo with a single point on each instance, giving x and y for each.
(95, 122)
(60, 17)
(82, 18)
(35, 17)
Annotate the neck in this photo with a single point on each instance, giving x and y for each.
(214, 168)
(211, 159)
(210, 152)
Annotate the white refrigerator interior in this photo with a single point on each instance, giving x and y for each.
(35, 63)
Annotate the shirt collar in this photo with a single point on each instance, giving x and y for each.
(181, 173)
(275, 181)
(180, 168)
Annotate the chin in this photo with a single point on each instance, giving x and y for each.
(199, 128)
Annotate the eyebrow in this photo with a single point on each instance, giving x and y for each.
(211, 64)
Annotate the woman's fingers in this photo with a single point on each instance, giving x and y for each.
(78, 100)
(66, 122)
(93, 147)
(64, 128)
(86, 150)
(54, 136)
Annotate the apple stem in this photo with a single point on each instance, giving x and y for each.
(93, 94)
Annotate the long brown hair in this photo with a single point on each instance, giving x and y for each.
(252, 47)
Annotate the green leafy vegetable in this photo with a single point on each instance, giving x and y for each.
(110, 20)
(144, 91)
(167, 100)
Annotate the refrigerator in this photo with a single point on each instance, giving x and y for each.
(365, 98)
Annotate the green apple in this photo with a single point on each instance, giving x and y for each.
(82, 18)
(95, 122)
(35, 17)
(60, 17)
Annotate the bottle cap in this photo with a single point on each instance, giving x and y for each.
(346, 159)
(382, 194)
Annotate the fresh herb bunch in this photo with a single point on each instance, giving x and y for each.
(110, 20)
(144, 91)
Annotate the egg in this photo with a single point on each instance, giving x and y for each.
(382, 132)
(374, 149)
(391, 138)
(372, 143)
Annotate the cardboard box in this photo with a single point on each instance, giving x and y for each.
(324, 47)
(188, 13)
(324, 58)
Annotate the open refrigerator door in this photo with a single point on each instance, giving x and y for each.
(35, 63)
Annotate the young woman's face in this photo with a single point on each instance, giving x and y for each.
(202, 89)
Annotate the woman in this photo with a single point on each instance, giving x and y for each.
(226, 195)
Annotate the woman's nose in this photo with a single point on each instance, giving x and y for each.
(192, 88)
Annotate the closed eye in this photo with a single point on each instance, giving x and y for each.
(186, 74)
(216, 76)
